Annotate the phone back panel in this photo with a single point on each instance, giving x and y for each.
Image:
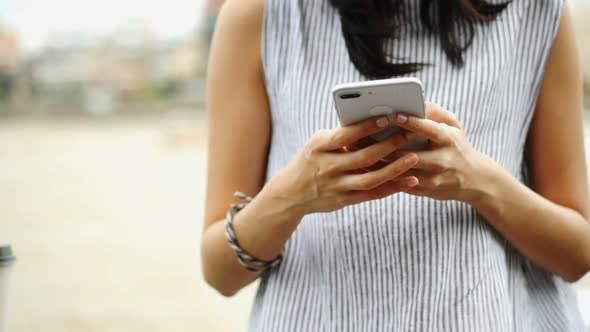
(380, 97)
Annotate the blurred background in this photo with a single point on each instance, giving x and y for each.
(102, 165)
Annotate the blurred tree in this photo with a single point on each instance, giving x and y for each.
(6, 85)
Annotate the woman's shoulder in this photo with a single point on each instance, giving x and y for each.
(236, 41)
(238, 28)
(242, 14)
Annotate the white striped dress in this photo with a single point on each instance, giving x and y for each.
(407, 263)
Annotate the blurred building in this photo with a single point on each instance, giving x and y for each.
(129, 64)
(178, 60)
(121, 59)
(10, 61)
(10, 56)
(99, 73)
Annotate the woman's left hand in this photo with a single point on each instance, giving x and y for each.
(450, 168)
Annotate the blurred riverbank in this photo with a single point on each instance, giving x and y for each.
(105, 217)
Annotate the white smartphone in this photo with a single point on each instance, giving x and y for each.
(361, 100)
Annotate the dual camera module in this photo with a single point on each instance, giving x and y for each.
(352, 95)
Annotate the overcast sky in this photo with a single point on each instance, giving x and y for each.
(34, 19)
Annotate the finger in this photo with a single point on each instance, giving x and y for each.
(431, 129)
(387, 189)
(341, 150)
(348, 135)
(374, 179)
(433, 161)
(378, 165)
(431, 181)
(427, 180)
(360, 171)
(395, 155)
(362, 143)
(418, 173)
(367, 141)
(428, 186)
(438, 113)
(369, 156)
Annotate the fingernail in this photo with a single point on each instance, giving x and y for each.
(402, 118)
(382, 122)
(412, 182)
(411, 159)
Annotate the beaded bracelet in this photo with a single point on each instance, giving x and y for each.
(247, 261)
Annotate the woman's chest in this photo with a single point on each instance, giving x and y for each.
(490, 94)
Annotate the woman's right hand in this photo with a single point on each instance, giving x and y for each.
(325, 177)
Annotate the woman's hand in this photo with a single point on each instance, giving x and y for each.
(450, 167)
(324, 176)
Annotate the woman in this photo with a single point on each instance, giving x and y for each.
(482, 231)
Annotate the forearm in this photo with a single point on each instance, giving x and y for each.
(553, 236)
(262, 228)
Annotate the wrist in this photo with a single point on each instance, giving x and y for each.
(265, 224)
(288, 193)
(483, 188)
(287, 206)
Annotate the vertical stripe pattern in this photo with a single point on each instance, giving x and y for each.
(407, 263)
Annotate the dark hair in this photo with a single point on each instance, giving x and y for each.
(367, 23)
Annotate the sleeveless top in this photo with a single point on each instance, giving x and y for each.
(408, 263)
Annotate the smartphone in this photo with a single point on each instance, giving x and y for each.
(359, 101)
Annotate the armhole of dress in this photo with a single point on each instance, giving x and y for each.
(553, 21)
(264, 57)
(551, 24)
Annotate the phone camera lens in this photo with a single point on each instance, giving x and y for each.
(350, 96)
